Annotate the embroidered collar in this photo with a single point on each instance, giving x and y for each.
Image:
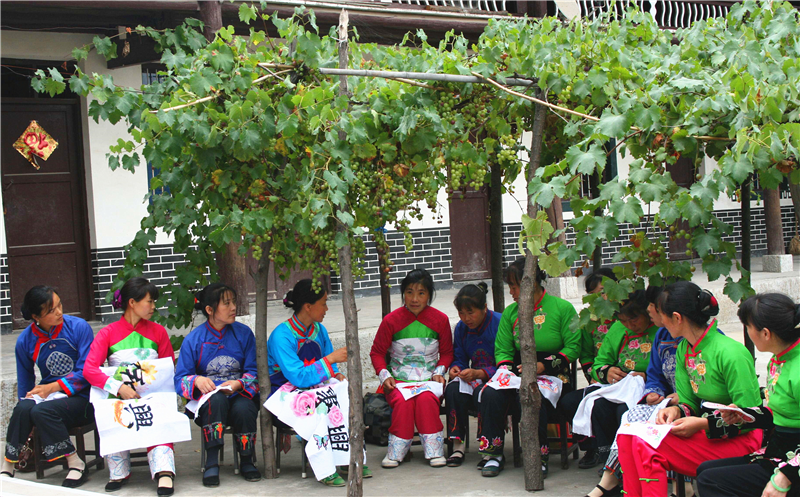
(692, 350)
(483, 326)
(217, 333)
(52, 335)
(778, 359)
(300, 329)
(538, 303)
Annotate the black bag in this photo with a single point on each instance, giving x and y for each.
(377, 419)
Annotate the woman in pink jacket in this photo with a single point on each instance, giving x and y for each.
(133, 338)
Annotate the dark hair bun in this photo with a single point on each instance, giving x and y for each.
(26, 313)
(797, 315)
(484, 287)
(707, 304)
(287, 300)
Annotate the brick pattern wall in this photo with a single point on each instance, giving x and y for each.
(758, 231)
(159, 269)
(5, 296)
(431, 250)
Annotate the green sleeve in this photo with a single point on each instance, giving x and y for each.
(504, 347)
(740, 374)
(608, 355)
(689, 402)
(573, 340)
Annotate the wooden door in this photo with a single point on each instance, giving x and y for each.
(470, 245)
(45, 209)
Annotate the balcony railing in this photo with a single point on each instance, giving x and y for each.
(670, 14)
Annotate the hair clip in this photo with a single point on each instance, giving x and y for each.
(116, 302)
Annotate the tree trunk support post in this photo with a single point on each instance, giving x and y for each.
(746, 247)
(265, 420)
(356, 470)
(530, 396)
(774, 224)
(496, 236)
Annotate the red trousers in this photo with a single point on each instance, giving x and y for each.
(645, 469)
(422, 410)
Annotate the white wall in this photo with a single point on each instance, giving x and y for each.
(115, 199)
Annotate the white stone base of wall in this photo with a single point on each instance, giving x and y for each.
(778, 263)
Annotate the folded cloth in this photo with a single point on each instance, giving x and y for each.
(628, 391)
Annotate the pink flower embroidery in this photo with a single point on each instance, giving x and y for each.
(304, 404)
(602, 329)
(335, 416)
(634, 344)
(692, 364)
(286, 387)
(497, 442)
(483, 444)
(772, 369)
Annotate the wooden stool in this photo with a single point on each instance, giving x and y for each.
(78, 432)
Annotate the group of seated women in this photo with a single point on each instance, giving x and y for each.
(688, 371)
(221, 352)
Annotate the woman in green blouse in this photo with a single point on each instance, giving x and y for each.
(711, 368)
(625, 350)
(772, 321)
(556, 348)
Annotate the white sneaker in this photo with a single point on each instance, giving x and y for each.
(391, 463)
(438, 462)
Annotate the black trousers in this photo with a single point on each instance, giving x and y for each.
(236, 411)
(606, 416)
(458, 405)
(734, 477)
(52, 419)
(495, 407)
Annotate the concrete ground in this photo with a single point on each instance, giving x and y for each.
(413, 478)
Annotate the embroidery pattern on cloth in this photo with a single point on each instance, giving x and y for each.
(696, 367)
(633, 352)
(246, 440)
(57, 449)
(213, 431)
(59, 363)
(774, 373)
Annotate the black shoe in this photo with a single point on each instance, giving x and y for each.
(590, 459)
(76, 483)
(167, 490)
(481, 464)
(211, 480)
(114, 485)
(250, 472)
(614, 492)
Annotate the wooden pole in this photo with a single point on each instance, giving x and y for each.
(774, 224)
(383, 268)
(530, 397)
(211, 15)
(496, 237)
(356, 469)
(746, 247)
(265, 421)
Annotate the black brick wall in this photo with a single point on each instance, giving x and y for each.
(431, 250)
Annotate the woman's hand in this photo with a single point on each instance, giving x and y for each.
(653, 399)
(782, 481)
(204, 384)
(686, 427)
(470, 375)
(127, 393)
(44, 390)
(338, 355)
(339, 376)
(454, 372)
(438, 378)
(637, 373)
(668, 415)
(673, 399)
(539, 368)
(235, 385)
(389, 384)
(731, 417)
(615, 374)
